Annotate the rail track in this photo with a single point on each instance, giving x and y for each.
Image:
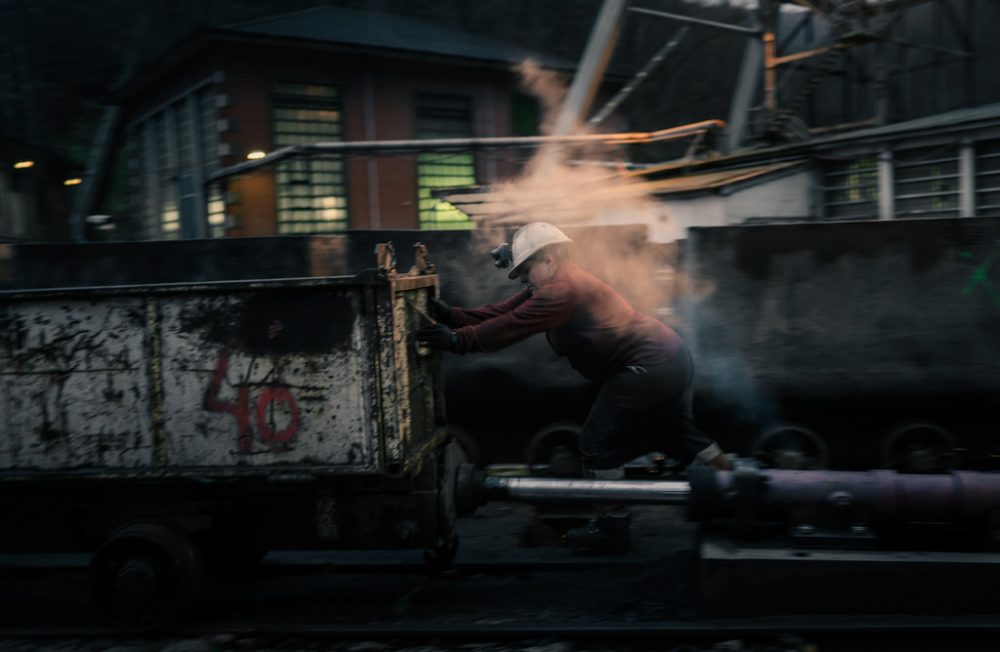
(495, 596)
(805, 634)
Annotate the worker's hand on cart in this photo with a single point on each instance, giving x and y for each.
(438, 336)
(439, 310)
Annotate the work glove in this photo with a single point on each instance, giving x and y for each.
(438, 336)
(439, 311)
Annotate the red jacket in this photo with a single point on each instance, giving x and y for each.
(584, 319)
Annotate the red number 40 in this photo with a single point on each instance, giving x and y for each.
(271, 397)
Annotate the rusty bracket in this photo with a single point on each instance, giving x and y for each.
(422, 264)
(385, 259)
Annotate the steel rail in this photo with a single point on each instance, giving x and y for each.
(281, 568)
(740, 29)
(829, 627)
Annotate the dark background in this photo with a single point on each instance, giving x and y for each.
(61, 61)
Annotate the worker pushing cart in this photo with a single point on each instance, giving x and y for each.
(643, 367)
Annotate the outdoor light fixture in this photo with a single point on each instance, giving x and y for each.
(20, 165)
(72, 182)
(256, 154)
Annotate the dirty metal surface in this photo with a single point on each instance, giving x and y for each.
(415, 369)
(221, 376)
(847, 307)
(73, 385)
(848, 330)
(265, 378)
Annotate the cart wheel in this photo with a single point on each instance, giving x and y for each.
(145, 574)
(557, 447)
(790, 446)
(467, 444)
(919, 448)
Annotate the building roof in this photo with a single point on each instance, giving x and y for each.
(392, 32)
(348, 30)
(716, 180)
(939, 125)
(959, 118)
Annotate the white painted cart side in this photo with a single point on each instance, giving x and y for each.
(305, 375)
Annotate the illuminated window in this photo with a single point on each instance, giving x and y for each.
(216, 211)
(926, 182)
(851, 189)
(312, 193)
(170, 152)
(443, 116)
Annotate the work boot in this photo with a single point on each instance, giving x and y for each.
(606, 533)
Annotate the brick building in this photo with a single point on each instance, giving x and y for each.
(321, 75)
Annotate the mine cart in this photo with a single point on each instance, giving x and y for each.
(175, 428)
(851, 345)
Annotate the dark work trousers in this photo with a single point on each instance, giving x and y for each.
(639, 409)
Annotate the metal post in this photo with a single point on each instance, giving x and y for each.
(100, 150)
(770, 54)
(881, 90)
(639, 77)
(94, 172)
(200, 218)
(591, 70)
(746, 89)
(886, 190)
(967, 178)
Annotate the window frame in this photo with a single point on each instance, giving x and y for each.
(312, 174)
(444, 115)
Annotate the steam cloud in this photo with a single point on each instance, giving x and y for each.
(572, 186)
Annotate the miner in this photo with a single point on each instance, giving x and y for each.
(643, 368)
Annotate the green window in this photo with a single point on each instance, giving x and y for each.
(851, 189)
(312, 192)
(443, 116)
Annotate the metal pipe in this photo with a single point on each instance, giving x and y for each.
(697, 21)
(805, 54)
(770, 74)
(961, 54)
(841, 501)
(428, 144)
(655, 492)
(595, 59)
(746, 87)
(639, 77)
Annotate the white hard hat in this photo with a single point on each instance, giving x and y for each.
(529, 239)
